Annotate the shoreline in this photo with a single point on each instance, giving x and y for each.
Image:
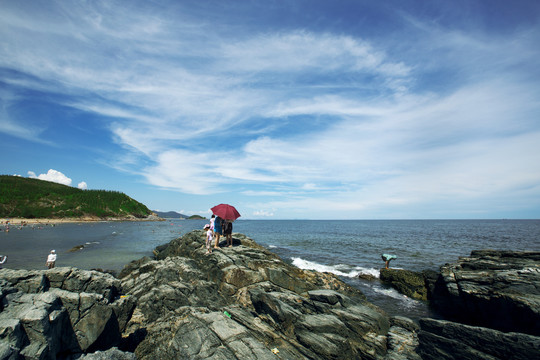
(86, 219)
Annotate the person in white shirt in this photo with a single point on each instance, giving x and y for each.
(51, 259)
(209, 238)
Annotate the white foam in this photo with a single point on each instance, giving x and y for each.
(404, 299)
(339, 269)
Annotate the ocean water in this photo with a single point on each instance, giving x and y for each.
(347, 248)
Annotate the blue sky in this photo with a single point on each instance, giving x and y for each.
(285, 109)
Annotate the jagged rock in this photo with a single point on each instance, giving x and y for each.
(50, 313)
(496, 289)
(111, 354)
(441, 339)
(406, 282)
(402, 339)
(244, 302)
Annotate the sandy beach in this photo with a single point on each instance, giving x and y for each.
(47, 221)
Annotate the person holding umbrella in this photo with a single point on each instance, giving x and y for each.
(228, 213)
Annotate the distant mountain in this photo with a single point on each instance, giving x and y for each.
(33, 198)
(170, 215)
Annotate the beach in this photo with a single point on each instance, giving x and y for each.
(85, 219)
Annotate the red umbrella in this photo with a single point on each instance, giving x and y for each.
(226, 211)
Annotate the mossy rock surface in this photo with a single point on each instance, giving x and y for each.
(406, 282)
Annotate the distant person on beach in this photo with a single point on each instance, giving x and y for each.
(3, 259)
(217, 230)
(227, 231)
(209, 238)
(51, 259)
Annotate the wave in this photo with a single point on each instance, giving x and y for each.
(404, 300)
(339, 269)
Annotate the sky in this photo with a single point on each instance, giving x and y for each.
(292, 109)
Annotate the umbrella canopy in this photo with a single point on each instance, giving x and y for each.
(226, 211)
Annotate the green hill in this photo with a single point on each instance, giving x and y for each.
(34, 199)
(169, 214)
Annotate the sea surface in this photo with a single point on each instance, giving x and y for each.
(347, 248)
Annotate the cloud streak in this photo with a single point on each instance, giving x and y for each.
(295, 118)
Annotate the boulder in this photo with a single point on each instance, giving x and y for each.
(54, 313)
(440, 339)
(406, 282)
(495, 289)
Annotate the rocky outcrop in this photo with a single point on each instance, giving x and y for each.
(58, 313)
(441, 339)
(407, 282)
(244, 302)
(495, 289)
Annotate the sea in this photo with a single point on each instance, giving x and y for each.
(347, 248)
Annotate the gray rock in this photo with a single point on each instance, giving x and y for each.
(496, 289)
(244, 302)
(110, 354)
(441, 339)
(402, 339)
(58, 311)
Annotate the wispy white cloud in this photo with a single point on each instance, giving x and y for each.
(325, 119)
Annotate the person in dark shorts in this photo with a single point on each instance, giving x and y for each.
(227, 232)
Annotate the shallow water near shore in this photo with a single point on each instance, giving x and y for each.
(346, 248)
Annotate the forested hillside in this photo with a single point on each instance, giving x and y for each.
(33, 198)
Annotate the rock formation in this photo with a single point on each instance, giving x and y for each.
(495, 289)
(439, 339)
(55, 313)
(244, 302)
(406, 282)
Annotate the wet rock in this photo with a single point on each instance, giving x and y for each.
(406, 282)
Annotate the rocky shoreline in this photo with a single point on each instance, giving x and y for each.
(54, 221)
(244, 302)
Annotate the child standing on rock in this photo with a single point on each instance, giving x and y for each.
(209, 238)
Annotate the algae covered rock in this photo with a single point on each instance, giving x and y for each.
(407, 282)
